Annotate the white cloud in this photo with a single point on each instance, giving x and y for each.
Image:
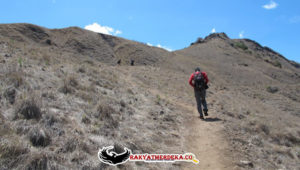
(160, 46)
(118, 32)
(164, 47)
(270, 5)
(102, 29)
(241, 34)
(213, 30)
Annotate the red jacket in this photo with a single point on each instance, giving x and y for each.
(192, 78)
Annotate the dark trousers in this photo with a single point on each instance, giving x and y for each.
(201, 101)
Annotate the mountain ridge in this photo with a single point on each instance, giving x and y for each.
(211, 36)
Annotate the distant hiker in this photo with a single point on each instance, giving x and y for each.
(119, 62)
(199, 81)
(132, 62)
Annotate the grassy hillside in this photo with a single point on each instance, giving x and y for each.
(64, 96)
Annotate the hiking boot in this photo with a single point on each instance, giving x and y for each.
(201, 117)
(205, 112)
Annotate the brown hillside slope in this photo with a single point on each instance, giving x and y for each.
(258, 96)
(63, 96)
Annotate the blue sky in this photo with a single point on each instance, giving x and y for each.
(171, 24)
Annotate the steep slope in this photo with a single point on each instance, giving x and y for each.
(62, 99)
(257, 95)
(63, 96)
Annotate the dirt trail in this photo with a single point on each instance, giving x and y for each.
(206, 141)
(204, 138)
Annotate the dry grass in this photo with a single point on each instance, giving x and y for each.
(15, 78)
(274, 63)
(39, 161)
(104, 111)
(283, 151)
(49, 119)
(39, 137)
(85, 96)
(263, 128)
(4, 128)
(106, 120)
(29, 108)
(70, 145)
(70, 83)
(286, 139)
(11, 149)
(85, 119)
(10, 95)
(46, 59)
(158, 100)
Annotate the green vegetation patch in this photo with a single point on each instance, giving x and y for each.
(241, 45)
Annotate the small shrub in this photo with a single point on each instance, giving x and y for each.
(85, 119)
(49, 119)
(81, 70)
(274, 63)
(248, 51)
(158, 99)
(95, 127)
(72, 81)
(241, 45)
(265, 129)
(90, 62)
(283, 151)
(104, 111)
(277, 64)
(48, 42)
(130, 91)
(86, 147)
(47, 59)
(256, 140)
(272, 89)
(109, 117)
(66, 89)
(122, 103)
(10, 95)
(39, 162)
(70, 145)
(69, 84)
(85, 96)
(20, 61)
(38, 137)
(286, 139)
(29, 109)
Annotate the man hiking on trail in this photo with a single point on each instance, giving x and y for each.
(199, 81)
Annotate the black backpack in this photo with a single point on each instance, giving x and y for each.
(199, 81)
